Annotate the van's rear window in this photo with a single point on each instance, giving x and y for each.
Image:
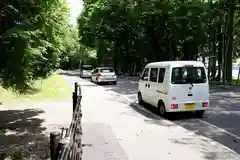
(185, 75)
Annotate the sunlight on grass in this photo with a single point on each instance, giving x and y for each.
(52, 88)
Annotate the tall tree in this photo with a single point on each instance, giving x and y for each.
(229, 51)
(30, 39)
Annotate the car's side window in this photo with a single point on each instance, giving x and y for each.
(161, 75)
(153, 74)
(144, 76)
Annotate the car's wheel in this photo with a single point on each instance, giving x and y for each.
(98, 83)
(162, 109)
(199, 114)
(140, 99)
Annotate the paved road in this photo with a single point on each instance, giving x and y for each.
(221, 123)
(116, 127)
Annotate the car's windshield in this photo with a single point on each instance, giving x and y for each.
(106, 70)
(184, 75)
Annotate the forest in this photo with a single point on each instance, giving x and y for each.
(36, 37)
(135, 32)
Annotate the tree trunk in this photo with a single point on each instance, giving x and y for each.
(225, 38)
(229, 54)
(204, 59)
(203, 55)
(220, 45)
(209, 58)
(213, 70)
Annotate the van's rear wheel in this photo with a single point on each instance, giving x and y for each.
(140, 100)
(162, 109)
(199, 114)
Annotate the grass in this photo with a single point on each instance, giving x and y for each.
(52, 88)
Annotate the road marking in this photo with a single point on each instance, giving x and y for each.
(220, 129)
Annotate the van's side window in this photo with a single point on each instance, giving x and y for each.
(161, 75)
(153, 74)
(145, 75)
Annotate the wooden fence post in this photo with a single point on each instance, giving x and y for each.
(54, 140)
(75, 96)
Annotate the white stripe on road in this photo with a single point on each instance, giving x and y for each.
(220, 129)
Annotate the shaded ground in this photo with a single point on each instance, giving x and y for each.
(26, 126)
(20, 130)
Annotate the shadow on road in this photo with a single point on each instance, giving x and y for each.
(223, 113)
(224, 88)
(203, 129)
(20, 131)
(191, 123)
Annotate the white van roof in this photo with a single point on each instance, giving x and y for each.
(176, 63)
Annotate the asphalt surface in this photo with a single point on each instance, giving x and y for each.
(220, 123)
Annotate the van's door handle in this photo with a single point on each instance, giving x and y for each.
(148, 85)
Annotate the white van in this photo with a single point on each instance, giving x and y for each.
(175, 86)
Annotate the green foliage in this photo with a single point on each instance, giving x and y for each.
(138, 30)
(72, 52)
(32, 40)
(134, 31)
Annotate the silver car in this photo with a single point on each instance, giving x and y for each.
(104, 74)
(85, 74)
(85, 71)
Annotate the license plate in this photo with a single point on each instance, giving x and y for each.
(189, 106)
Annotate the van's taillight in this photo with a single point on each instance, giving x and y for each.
(174, 106)
(205, 104)
(99, 74)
